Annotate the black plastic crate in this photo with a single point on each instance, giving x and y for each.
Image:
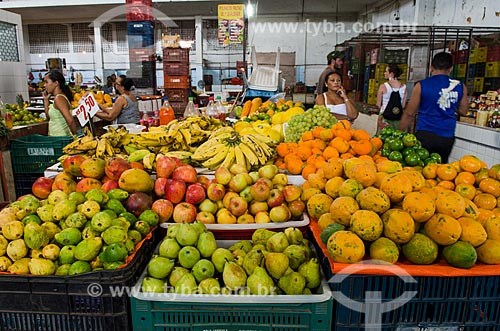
(52, 303)
(141, 28)
(34, 153)
(23, 182)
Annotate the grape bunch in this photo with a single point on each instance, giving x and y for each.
(312, 118)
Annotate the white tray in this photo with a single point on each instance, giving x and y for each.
(254, 226)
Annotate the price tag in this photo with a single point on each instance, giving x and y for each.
(86, 109)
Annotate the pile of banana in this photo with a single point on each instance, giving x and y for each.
(108, 144)
(226, 147)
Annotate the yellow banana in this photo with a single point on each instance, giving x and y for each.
(109, 148)
(214, 161)
(101, 147)
(229, 159)
(249, 154)
(149, 161)
(268, 151)
(205, 154)
(255, 148)
(239, 156)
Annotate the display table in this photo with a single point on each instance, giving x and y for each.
(481, 141)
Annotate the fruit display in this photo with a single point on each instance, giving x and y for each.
(21, 116)
(101, 97)
(405, 148)
(191, 261)
(70, 234)
(318, 116)
(226, 147)
(417, 214)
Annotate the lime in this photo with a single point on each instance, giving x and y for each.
(412, 159)
(436, 157)
(422, 153)
(409, 140)
(396, 145)
(396, 156)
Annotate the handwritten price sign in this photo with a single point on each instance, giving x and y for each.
(87, 108)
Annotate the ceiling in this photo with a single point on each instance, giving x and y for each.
(85, 11)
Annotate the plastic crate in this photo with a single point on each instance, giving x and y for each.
(176, 69)
(34, 153)
(176, 55)
(178, 95)
(29, 303)
(23, 183)
(177, 82)
(197, 312)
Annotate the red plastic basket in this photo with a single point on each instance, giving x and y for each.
(177, 82)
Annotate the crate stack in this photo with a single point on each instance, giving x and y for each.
(141, 43)
(177, 80)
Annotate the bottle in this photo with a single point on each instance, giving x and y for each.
(190, 110)
(221, 110)
(156, 118)
(211, 111)
(8, 121)
(166, 112)
(144, 119)
(2, 108)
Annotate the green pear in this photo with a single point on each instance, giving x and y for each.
(152, 285)
(294, 235)
(199, 226)
(311, 272)
(252, 260)
(277, 242)
(220, 257)
(88, 249)
(239, 260)
(209, 286)
(69, 236)
(186, 284)
(206, 244)
(260, 283)
(234, 276)
(292, 284)
(276, 264)
(169, 248)
(41, 267)
(239, 253)
(203, 269)
(261, 235)
(176, 273)
(245, 245)
(187, 234)
(188, 256)
(67, 254)
(160, 267)
(297, 254)
(17, 249)
(172, 230)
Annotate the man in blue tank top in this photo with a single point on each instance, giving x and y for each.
(436, 100)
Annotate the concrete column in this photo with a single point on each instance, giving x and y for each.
(98, 58)
(198, 58)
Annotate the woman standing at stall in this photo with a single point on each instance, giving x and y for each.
(125, 108)
(335, 98)
(391, 73)
(58, 113)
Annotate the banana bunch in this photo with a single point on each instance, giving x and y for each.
(177, 135)
(83, 145)
(108, 144)
(226, 147)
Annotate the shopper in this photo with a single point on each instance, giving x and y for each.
(391, 73)
(108, 88)
(58, 112)
(436, 100)
(334, 97)
(125, 108)
(335, 61)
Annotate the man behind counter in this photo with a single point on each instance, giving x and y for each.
(335, 61)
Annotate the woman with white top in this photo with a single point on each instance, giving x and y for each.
(391, 73)
(335, 98)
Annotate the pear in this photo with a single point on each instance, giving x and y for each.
(176, 274)
(203, 269)
(234, 276)
(261, 235)
(252, 260)
(294, 235)
(276, 264)
(297, 254)
(199, 226)
(220, 257)
(310, 271)
(172, 230)
(209, 286)
(239, 253)
(260, 283)
(186, 284)
(169, 248)
(239, 260)
(160, 267)
(292, 284)
(150, 284)
(245, 245)
(188, 256)
(186, 235)
(206, 244)
(277, 242)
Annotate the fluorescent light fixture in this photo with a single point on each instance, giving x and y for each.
(250, 9)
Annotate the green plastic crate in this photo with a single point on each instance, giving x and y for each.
(203, 312)
(34, 153)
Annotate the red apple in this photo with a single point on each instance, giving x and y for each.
(163, 208)
(227, 198)
(109, 185)
(238, 206)
(223, 175)
(205, 217)
(203, 180)
(165, 166)
(186, 173)
(195, 193)
(280, 214)
(297, 208)
(262, 217)
(267, 181)
(71, 164)
(257, 206)
(245, 219)
(42, 187)
(216, 192)
(260, 191)
(211, 181)
(238, 183)
(115, 166)
(292, 192)
(276, 198)
(184, 212)
(160, 185)
(175, 190)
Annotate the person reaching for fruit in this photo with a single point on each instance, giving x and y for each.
(61, 120)
(125, 109)
(335, 99)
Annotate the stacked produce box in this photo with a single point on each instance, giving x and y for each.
(177, 79)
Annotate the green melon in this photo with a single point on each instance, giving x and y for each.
(461, 254)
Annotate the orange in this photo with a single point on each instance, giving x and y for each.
(307, 170)
(485, 200)
(430, 171)
(446, 172)
(470, 163)
(466, 190)
(465, 177)
(447, 184)
(340, 144)
(330, 153)
(491, 186)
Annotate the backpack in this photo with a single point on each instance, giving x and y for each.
(394, 109)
